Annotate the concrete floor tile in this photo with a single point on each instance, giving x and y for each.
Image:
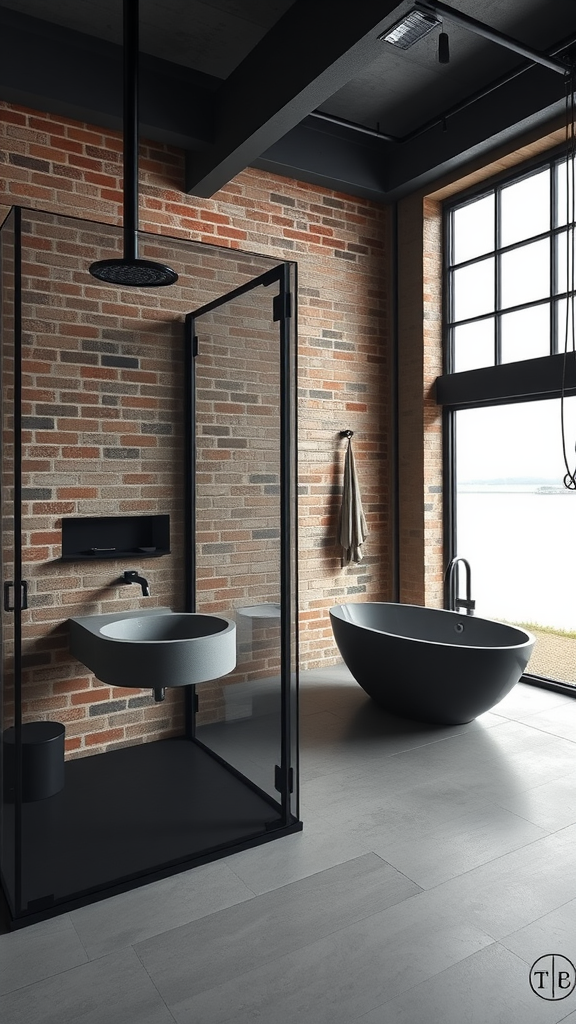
(161, 906)
(489, 987)
(115, 988)
(183, 962)
(554, 932)
(39, 951)
(478, 835)
(336, 978)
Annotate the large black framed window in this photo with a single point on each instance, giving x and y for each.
(508, 389)
(507, 271)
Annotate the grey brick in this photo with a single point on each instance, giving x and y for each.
(106, 707)
(36, 493)
(283, 200)
(156, 428)
(100, 346)
(37, 423)
(128, 362)
(121, 453)
(140, 702)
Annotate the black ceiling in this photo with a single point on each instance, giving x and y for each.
(240, 83)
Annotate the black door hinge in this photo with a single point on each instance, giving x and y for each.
(281, 306)
(278, 779)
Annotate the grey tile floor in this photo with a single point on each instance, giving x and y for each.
(435, 866)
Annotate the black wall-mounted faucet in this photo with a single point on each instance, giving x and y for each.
(132, 576)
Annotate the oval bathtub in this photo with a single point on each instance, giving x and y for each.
(430, 664)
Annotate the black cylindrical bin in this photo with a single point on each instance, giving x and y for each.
(42, 760)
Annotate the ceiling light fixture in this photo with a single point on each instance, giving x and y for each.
(413, 27)
(131, 270)
(443, 48)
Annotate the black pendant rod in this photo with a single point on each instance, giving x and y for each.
(131, 44)
(437, 7)
(131, 271)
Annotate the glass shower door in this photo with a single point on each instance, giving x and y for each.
(10, 820)
(244, 529)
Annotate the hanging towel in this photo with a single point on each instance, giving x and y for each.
(352, 530)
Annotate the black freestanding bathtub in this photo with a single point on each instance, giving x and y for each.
(427, 663)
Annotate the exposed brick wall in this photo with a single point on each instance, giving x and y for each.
(420, 418)
(340, 245)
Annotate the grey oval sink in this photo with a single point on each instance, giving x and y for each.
(156, 648)
(165, 627)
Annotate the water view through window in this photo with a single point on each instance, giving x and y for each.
(516, 523)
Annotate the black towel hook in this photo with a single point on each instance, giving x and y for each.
(347, 433)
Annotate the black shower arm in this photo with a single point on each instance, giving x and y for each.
(130, 115)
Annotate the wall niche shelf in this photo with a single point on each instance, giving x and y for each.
(91, 538)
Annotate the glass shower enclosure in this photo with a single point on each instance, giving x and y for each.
(120, 408)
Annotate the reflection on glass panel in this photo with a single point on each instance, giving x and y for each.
(239, 576)
(473, 289)
(526, 333)
(564, 262)
(525, 208)
(515, 523)
(473, 229)
(474, 345)
(525, 273)
(564, 191)
(565, 325)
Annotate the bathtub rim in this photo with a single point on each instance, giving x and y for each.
(530, 638)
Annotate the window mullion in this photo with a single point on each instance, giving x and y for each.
(497, 282)
(553, 261)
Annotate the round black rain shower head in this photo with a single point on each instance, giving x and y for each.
(133, 273)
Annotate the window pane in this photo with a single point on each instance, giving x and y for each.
(515, 524)
(526, 334)
(563, 188)
(473, 229)
(473, 289)
(525, 273)
(525, 208)
(565, 332)
(564, 261)
(474, 345)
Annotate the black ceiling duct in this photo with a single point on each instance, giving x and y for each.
(130, 270)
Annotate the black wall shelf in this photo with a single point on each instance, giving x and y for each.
(91, 538)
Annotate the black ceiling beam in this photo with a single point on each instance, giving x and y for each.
(310, 53)
(61, 71)
(337, 157)
(316, 152)
(529, 101)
